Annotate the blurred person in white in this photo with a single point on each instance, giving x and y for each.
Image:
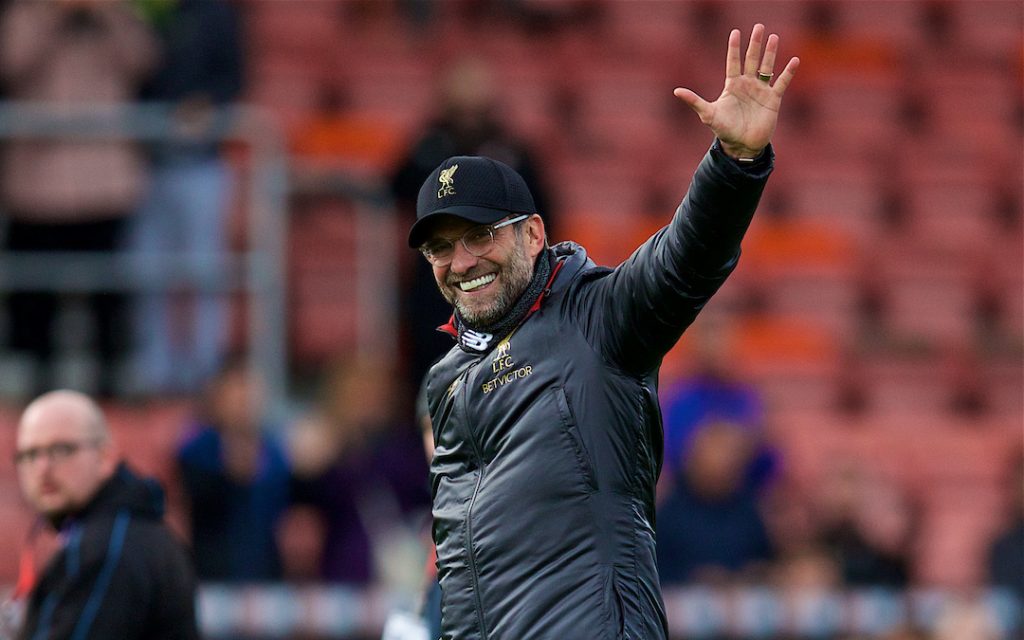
(186, 208)
(71, 195)
(120, 572)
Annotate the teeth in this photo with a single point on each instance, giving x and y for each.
(476, 283)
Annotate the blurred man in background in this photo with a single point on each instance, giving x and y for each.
(71, 195)
(710, 526)
(236, 478)
(187, 205)
(120, 572)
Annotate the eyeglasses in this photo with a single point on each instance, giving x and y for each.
(477, 241)
(56, 452)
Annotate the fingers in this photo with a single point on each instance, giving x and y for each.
(732, 58)
(787, 75)
(692, 100)
(753, 58)
(770, 49)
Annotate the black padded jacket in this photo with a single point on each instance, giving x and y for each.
(120, 573)
(549, 446)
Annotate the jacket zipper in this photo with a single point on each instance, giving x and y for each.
(470, 555)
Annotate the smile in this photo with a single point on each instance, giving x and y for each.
(476, 283)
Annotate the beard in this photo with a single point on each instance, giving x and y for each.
(514, 278)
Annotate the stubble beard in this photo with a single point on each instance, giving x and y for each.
(514, 279)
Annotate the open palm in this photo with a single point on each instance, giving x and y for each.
(745, 114)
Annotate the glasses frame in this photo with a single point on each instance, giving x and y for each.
(491, 228)
(54, 453)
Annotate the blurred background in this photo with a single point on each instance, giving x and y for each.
(203, 209)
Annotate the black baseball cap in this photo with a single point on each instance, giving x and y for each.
(479, 189)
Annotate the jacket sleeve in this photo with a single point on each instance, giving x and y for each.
(635, 313)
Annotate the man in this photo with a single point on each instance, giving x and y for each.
(120, 572)
(545, 414)
(70, 194)
(187, 204)
(235, 475)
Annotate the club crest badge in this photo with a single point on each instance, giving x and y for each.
(447, 180)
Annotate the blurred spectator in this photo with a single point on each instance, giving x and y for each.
(63, 195)
(468, 122)
(866, 527)
(186, 208)
(709, 524)
(236, 478)
(120, 572)
(713, 393)
(360, 466)
(1006, 552)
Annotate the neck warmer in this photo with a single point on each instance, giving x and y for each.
(480, 339)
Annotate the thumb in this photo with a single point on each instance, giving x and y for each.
(692, 100)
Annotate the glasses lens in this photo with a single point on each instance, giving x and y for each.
(439, 252)
(26, 457)
(56, 452)
(63, 450)
(478, 241)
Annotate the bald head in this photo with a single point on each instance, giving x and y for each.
(64, 454)
(77, 410)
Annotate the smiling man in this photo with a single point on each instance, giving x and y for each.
(483, 243)
(120, 572)
(545, 414)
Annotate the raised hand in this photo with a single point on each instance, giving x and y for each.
(745, 114)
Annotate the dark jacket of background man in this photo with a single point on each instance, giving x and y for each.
(120, 573)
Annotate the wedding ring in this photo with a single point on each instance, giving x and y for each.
(764, 77)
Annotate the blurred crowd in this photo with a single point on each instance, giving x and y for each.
(168, 198)
(335, 489)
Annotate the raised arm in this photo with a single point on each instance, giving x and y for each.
(646, 302)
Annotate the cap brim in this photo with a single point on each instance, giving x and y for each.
(478, 215)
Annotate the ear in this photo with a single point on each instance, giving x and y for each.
(534, 235)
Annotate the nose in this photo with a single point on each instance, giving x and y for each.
(462, 260)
